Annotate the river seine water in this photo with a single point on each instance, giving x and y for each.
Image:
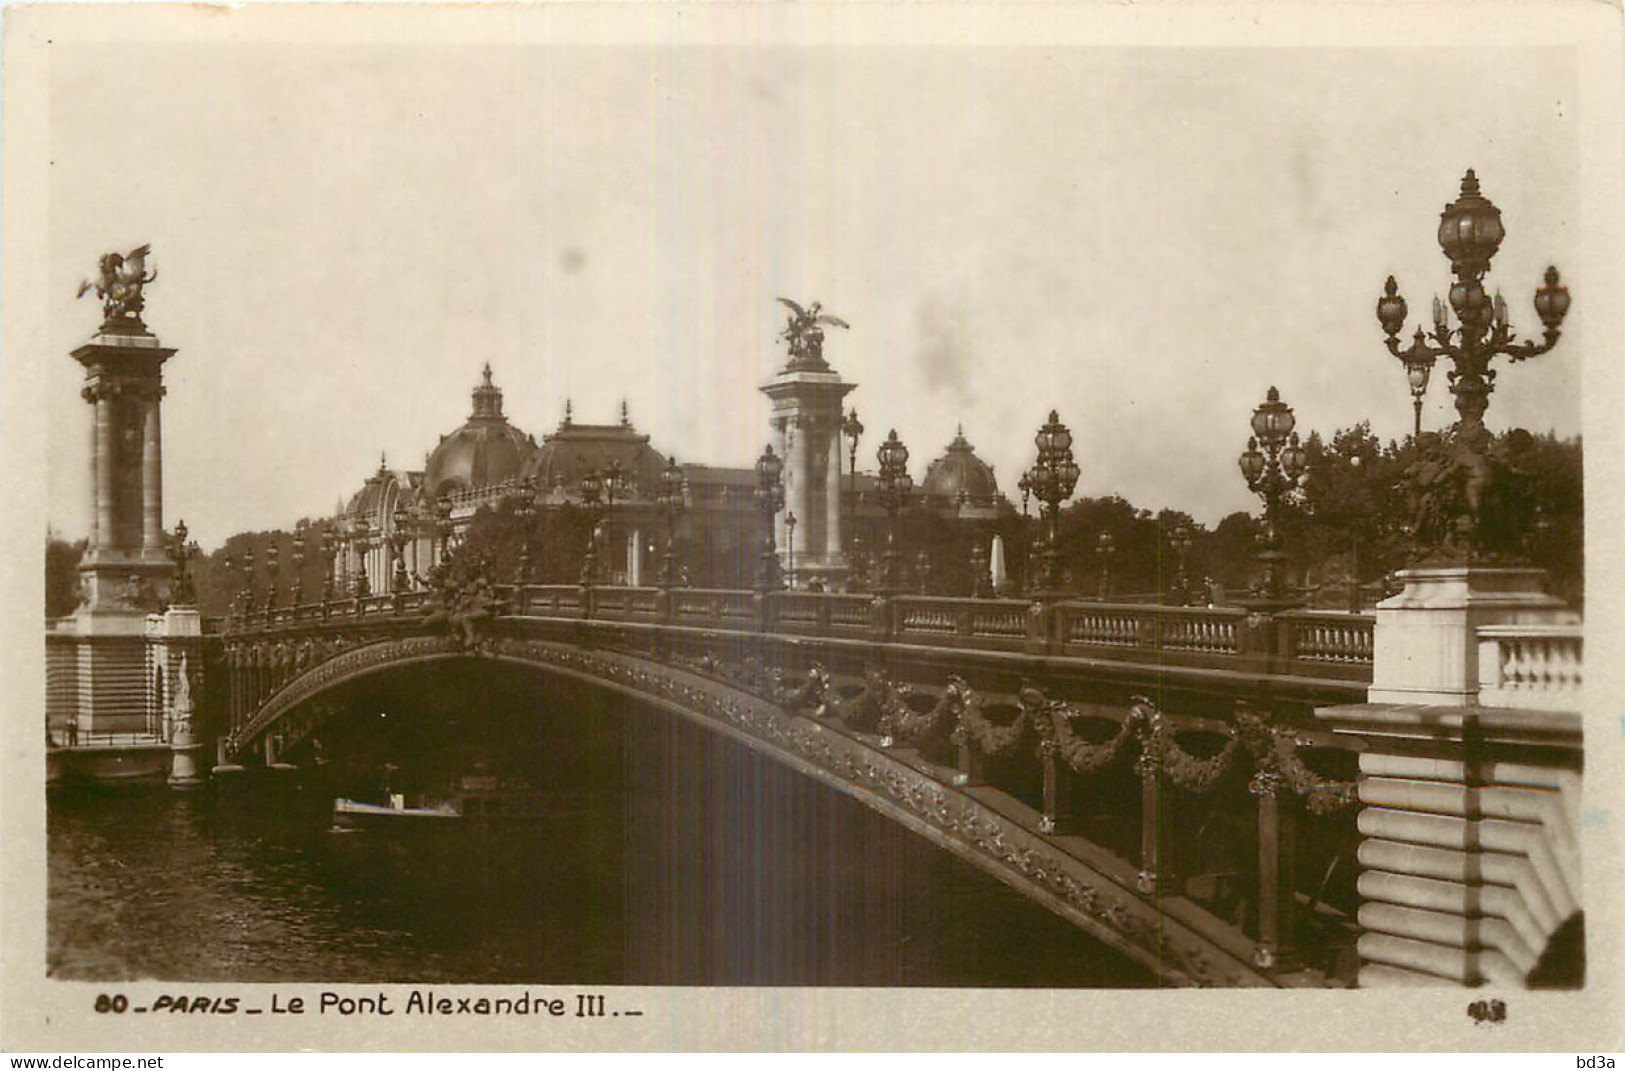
(670, 856)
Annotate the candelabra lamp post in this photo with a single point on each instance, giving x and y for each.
(670, 500)
(922, 570)
(769, 499)
(852, 428)
(299, 564)
(592, 490)
(1470, 232)
(1180, 542)
(398, 580)
(524, 512)
(790, 548)
(443, 527)
(330, 554)
(249, 601)
(1272, 472)
(1051, 480)
(361, 539)
(893, 486)
(273, 569)
(981, 581)
(181, 590)
(1105, 550)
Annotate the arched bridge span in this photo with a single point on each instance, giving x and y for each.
(997, 755)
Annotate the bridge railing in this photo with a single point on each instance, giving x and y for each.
(1320, 644)
(1531, 667)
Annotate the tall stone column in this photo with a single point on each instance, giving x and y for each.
(807, 395)
(106, 531)
(152, 479)
(834, 548)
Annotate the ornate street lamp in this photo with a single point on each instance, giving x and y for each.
(790, 547)
(769, 499)
(1051, 480)
(592, 489)
(248, 580)
(852, 428)
(981, 581)
(330, 553)
(1470, 232)
(671, 500)
(1271, 473)
(524, 510)
(273, 566)
(1105, 549)
(922, 570)
(1180, 541)
(443, 527)
(181, 590)
(361, 539)
(398, 580)
(299, 563)
(893, 488)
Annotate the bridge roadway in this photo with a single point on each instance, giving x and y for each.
(1002, 730)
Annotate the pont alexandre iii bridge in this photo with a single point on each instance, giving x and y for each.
(1255, 796)
(1209, 791)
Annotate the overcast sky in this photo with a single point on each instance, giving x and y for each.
(1143, 239)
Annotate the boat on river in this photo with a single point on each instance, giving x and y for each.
(478, 799)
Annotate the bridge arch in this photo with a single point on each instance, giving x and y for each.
(955, 820)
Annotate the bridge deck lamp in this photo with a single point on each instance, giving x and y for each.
(299, 563)
(361, 539)
(670, 499)
(1051, 480)
(398, 581)
(893, 486)
(1470, 232)
(1271, 473)
(769, 499)
(443, 527)
(592, 488)
(852, 428)
(330, 552)
(790, 547)
(181, 590)
(1105, 549)
(1180, 542)
(524, 509)
(273, 567)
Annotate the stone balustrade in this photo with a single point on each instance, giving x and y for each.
(1530, 667)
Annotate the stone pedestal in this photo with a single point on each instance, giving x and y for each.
(126, 564)
(806, 423)
(1426, 638)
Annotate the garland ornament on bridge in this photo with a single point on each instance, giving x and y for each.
(1470, 233)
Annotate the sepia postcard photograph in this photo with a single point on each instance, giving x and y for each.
(816, 526)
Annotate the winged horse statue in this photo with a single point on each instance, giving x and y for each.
(118, 283)
(805, 331)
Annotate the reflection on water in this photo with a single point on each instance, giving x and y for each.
(690, 861)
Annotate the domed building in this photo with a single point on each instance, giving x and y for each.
(576, 450)
(488, 460)
(959, 484)
(486, 451)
